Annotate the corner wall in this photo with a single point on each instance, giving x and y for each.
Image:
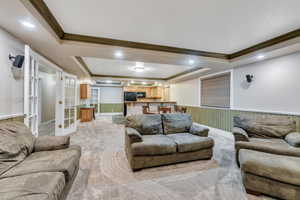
(186, 92)
(11, 98)
(275, 90)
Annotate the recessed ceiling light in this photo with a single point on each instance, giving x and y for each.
(191, 62)
(144, 83)
(108, 81)
(131, 81)
(27, 24)
(119, 54)
(139, 67)
(260, 56)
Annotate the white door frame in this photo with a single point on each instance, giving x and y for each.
(60, 129)
(31, 90)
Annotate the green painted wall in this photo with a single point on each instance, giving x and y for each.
(223, 118)
(111, 108)
(19, 119)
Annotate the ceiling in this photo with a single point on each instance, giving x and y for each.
(204, 25)
(126, 68)
(208, 25)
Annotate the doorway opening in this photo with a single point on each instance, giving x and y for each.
(47, 100)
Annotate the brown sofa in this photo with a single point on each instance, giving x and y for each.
(268, 153)
(154, 140)
(42, 168)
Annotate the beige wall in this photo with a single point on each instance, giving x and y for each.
(11, 89)
(276, 85)
(186, 93)
(48, 96)
(275, 88)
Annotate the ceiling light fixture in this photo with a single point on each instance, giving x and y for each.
(108, 81)
(119, 54)
(144, 83)
(27, 24)
(260, 56)
(191, 62)
(139, 67)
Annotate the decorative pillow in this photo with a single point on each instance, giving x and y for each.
(145, 124)
(293, 139)
(176, 123)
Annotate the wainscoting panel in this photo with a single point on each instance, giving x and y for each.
(223, 118)
(111, 108)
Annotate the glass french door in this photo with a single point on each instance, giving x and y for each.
(96, 99)
(66, 106)
(31, 89)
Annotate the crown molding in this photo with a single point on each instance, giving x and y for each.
(45, 12)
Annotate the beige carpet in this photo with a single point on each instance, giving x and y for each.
(105, 174)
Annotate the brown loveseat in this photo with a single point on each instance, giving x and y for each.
(268, 152)
(32, 168)
(154, 140)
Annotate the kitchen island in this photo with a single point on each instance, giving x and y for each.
(136, 107)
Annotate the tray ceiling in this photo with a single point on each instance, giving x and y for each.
(208, 25)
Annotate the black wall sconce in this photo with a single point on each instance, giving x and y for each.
(249, 78)
(17, 60)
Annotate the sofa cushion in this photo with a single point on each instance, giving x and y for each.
(37, 186)
(154, 145)
(65, 160)
(145, 124)
(275, 146)
(176, 123)
(51, 143)
(293, 139)
(187, 142)
(265, 127)
(282, 168)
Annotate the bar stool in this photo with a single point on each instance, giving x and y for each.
(164, 109)
(146, 110)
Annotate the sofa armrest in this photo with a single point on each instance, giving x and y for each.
(51, 143)
(240, 134)
(293, 139)
(199, 130)
(134, 135)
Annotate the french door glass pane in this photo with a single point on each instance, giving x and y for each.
(70, 106)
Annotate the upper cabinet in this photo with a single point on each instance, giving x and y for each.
(85, 91)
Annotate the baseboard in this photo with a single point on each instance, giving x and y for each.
(4, 117)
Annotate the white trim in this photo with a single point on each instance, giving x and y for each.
(216, 74)
(245, 110)
(3, 117)
(200, 90)
(112, 113)
(267, 111)
(231, 89)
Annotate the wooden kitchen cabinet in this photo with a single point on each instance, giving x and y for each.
(87, 114)
(85, 91)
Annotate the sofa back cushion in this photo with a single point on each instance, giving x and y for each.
(265, 126)
(176, 123)
(145, 124)
(16, 143)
